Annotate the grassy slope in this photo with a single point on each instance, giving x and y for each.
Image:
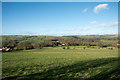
(56, 62)
(110, 41)
(29, 38)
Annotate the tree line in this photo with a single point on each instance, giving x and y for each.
(24, 43)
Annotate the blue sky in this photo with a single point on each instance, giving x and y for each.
(59, 18)
(60, 0)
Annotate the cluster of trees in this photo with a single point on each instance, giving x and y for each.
(28, 45)
(33, 42)
(86, 42)
(22, 45)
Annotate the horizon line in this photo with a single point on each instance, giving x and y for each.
(58, 35)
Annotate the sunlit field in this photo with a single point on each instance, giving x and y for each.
(55, 62)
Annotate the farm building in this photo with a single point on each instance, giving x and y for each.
(6, 49)
(0, 50)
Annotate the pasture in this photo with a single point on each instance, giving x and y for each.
(55, 62)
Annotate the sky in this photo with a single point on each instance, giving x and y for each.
(60, 0)
(59, 18)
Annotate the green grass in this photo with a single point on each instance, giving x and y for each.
(28, 38)
(59, 63)
(110, 41)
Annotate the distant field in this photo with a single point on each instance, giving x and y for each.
(110, 41)
(28, 38)
(56, 62)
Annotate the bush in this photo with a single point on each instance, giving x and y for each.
(68, 47)
(63, 47)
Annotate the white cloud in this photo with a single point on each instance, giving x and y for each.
(102, 24)
(85, 10)
(93, 22)
(113, 24)
(100, 7)
(92, 33)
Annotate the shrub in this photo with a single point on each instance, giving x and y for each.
(68, 47)
(63, 47)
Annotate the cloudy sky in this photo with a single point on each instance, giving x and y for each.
(62, 18)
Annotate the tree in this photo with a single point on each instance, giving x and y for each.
(27, 45)
(24, 45)
(5, 43)
(38, 45)
(19, 46)
(12, 43)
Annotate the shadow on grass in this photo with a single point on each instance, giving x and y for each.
(79, 70)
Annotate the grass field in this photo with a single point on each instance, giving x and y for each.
(110, 41)
(56, 62)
